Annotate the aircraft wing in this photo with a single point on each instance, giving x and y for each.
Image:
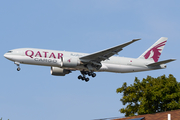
(105, 54)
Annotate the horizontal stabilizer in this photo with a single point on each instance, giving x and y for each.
(161, 62)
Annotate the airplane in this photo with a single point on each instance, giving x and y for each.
(63, 62)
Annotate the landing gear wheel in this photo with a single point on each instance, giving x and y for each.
(87, 79)
(18, 64)
(83, 78)
(94, 75)
(85, 72)
(79, 77)
(18, 69)
(89, 73)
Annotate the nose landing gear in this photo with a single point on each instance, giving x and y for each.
(18, 69)
(84, 73)
(18, 64)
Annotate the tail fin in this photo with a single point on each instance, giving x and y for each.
(154, 52)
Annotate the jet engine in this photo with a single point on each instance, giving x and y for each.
(70, 62)
(59, 71)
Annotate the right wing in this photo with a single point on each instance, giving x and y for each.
(105, 54)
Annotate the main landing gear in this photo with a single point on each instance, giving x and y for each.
(18, 64)
(84, 73)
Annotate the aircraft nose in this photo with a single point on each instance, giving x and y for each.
(5, 55)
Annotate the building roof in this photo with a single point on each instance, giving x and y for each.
(175, 115)
(137, 118)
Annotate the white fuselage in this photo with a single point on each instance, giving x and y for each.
(54, 58)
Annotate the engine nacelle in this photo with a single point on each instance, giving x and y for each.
(70, 62)
(59, 71)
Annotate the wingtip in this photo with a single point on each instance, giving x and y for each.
(136, 39)
(173, 59)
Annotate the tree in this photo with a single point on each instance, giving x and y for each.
(151, 95)
(1, 118)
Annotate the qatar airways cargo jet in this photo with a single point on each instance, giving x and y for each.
(62, 62)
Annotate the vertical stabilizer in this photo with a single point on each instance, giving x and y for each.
(154, 52)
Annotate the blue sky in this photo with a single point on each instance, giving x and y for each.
(80, 26)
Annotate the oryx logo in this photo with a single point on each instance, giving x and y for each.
(155, 52)
(69, 60)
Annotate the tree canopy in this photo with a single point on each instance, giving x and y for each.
(151, 95)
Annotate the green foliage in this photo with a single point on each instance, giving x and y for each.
(1, 119)
(150, 95)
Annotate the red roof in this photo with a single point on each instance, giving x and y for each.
(175, 115)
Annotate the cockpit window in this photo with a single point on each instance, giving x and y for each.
(9, 51)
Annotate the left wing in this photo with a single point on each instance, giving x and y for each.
(105, 54)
